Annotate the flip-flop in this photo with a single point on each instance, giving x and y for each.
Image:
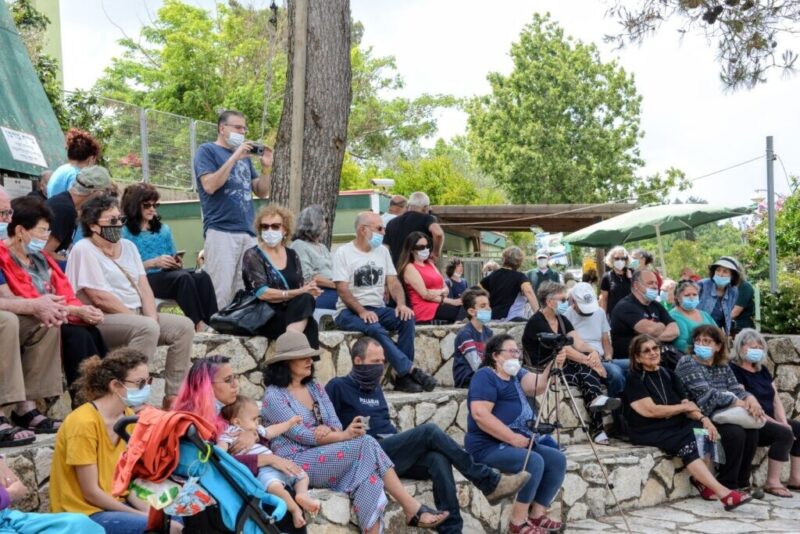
(775, 490)
(416, 520)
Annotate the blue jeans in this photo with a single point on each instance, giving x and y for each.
(120, 522)
(546, 465)
(401, 356)
(16, 522)
(327, 300)
(617, 370)
(427, 453)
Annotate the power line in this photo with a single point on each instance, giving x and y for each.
(583, 208)
(785, 174)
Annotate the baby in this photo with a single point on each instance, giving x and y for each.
(243, 416)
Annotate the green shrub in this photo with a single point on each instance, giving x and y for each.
(780, 313)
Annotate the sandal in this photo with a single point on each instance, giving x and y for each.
(734, 500)
(601, 438)
(525, 528)
(705, 492)
(792, 487)
(416, 520)
(778, 491)
(7, 435)
(545, 523)
(45, 426)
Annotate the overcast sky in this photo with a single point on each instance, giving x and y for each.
(448, 46)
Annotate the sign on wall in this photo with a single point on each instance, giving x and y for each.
(23, 147)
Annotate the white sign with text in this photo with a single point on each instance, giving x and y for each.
(23, 147)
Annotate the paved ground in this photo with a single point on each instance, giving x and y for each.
(694, 515)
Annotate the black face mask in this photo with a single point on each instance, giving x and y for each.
(367, 376)
(112, 234)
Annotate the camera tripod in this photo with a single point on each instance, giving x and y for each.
(538, 426)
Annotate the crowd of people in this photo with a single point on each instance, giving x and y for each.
(677, 363)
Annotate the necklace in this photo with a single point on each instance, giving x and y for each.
(662, 391)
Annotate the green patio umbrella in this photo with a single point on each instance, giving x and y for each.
(654, 221)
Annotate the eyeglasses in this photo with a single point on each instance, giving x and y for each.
(140, 384)
(704, 341)
(317, 413)
(514, 352)
(116, 221)
(650, 350)
(150, 205)
(230, 380)
(273, 226)
(375, 229)
(237, 127)
(420, 247)
(6, 213)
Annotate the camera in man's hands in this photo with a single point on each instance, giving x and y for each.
(257, 149)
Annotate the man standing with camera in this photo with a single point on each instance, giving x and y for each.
(226, 181)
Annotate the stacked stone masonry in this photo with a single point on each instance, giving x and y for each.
(641, 476)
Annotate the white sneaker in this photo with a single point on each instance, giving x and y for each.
(605, 404)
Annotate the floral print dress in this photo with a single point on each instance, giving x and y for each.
(355, 466)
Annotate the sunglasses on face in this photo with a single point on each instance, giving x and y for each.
(420, 247)
(273, 226)
(140, 384)
(150, 205)
(623, 258)
(115, 221)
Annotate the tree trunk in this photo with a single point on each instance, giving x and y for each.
(327, 107)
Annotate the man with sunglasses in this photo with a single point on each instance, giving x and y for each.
(90, 182)
(362, 272)
(226, 181)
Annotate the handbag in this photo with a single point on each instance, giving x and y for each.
(242, 317)
(737, 416)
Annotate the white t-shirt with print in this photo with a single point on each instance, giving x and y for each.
(591, 328)
(89, 268)
(365, 272)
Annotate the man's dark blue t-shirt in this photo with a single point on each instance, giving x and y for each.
(350, 401)
(230, 208)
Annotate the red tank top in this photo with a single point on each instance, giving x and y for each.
(425, 310)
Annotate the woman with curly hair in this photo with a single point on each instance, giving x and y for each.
(83, 150)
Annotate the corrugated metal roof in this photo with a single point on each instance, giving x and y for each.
(24, 109)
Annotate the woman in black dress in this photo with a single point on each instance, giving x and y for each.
(273, 271)
(659, 415)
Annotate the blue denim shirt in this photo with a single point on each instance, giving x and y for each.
(708, 299)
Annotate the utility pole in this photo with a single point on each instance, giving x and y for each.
(298, 104)
(773, 251)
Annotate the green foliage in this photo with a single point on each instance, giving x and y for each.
(563, 126)
(780, 312)
(31, 25)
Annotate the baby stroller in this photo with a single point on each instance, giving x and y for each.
(241, 503)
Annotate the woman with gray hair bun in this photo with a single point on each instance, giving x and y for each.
(509, 289)
(782, 435)
(315, 257)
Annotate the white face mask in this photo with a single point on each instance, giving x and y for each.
(512, 366)
(619, 264)
(272, 237)
(235, 139)
(424, 254)
(542, 263)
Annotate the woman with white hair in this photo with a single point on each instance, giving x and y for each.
(616, 283)
(509, 289)
(782, 435)
(315, 257)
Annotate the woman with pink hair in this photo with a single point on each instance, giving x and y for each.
(209, 386)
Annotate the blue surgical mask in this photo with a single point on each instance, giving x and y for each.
(136, 397)
(484, 316)
(633, 264)
(703, 352)
(690, 304)
(3, 230)
(235, 139)
(754, 355)
(562, 307)
(651, 294)
(722, 281)
(663, 296)
(36, 245)
(376, 240)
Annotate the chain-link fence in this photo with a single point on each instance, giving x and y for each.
(147, 145)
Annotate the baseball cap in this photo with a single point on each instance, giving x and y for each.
(584, 297)
(541, 254)
(91, 179)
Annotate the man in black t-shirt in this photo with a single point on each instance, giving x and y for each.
(415, 219)
(89, 182)
(639, 313)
